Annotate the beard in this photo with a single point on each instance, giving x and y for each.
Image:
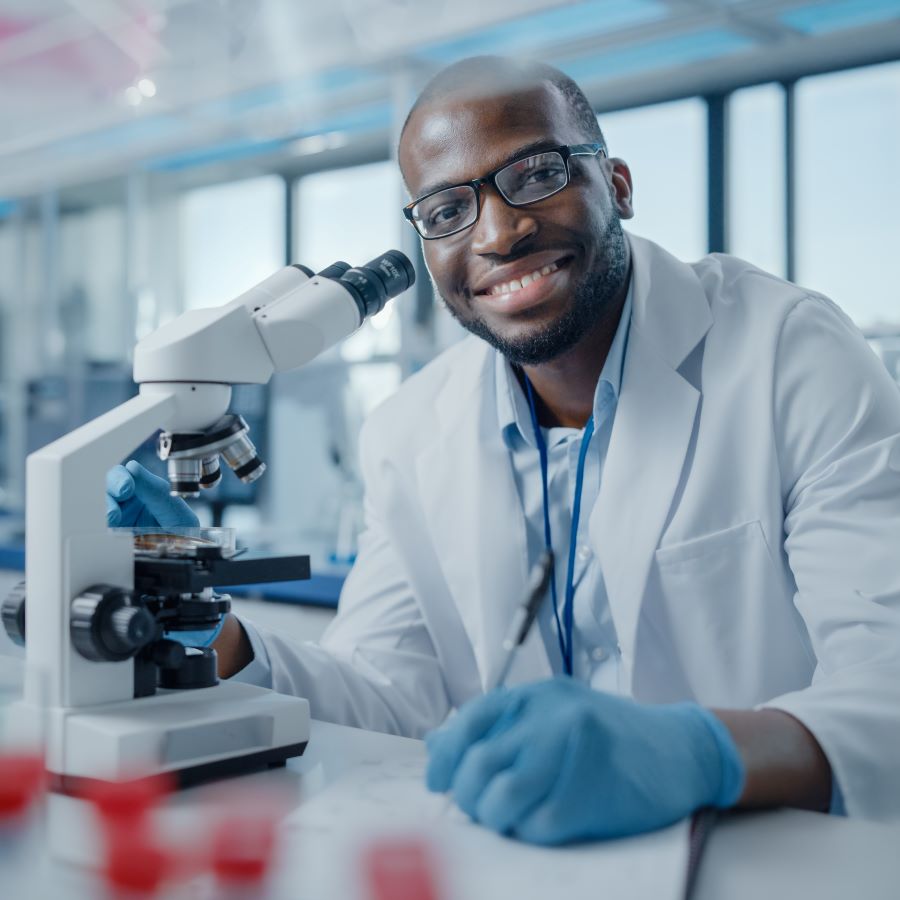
(593, 301)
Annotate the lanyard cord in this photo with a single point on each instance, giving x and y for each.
(563, 629)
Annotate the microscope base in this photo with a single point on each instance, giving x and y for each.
(195, 735)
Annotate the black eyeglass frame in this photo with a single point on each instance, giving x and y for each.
(566, 151)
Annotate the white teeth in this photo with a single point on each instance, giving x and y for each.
(510, 287)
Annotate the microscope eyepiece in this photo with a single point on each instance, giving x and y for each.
(380, 279)
(335, 270)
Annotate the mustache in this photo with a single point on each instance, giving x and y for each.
(499, 259)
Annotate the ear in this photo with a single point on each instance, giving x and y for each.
(621, 186)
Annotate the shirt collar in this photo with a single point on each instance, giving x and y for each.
(513, 414)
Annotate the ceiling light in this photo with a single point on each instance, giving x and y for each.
(318, 143)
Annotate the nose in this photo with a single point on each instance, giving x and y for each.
(500, 226)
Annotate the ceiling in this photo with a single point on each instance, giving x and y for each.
(96, 88)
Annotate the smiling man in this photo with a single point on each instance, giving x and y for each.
(712, 454)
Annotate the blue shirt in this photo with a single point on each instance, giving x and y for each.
(596, 655)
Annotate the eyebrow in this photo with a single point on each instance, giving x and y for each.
(525, 150)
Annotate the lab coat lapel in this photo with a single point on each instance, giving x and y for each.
(476, 520)
(652, 432)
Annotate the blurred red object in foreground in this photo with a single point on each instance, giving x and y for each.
(22, 781)
(400, 869)
(243, 849)
(134, 863)
(122, 803)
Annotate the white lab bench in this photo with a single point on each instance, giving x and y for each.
(774, 854)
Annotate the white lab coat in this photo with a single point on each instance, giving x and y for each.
(748, 527)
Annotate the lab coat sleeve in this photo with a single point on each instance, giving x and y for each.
(837, 422)
(375, 667)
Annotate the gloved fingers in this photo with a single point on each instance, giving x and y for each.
(448, 744)
(124, 513)
(511, 796)
(119, 483)
(571, 808)
(113, 512)
(153, 491)
(485, 760)
(197, 638)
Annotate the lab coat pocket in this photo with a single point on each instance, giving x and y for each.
(728, 610)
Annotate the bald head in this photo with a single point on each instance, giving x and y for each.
(484, 77)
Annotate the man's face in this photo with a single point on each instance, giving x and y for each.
(570, 246)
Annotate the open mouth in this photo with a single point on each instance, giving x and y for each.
(517, 284)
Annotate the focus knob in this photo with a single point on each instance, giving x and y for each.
(130, 627)
(107, 627)
(13, 614)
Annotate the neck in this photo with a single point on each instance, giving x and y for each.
(564, 387)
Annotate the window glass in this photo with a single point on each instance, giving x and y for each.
(232, 237)
(7, 291)
(92, 299)
(756, 177)
(665, 148)
(354, 215)
(848, 191)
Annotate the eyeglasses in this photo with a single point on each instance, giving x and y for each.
(523, 181)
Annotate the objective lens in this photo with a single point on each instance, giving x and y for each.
(241, 455)
(211, 474)
(184, 476)
(379, 280)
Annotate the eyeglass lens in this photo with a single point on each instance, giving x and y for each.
(524, 181)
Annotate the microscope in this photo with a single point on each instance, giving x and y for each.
(105, 691)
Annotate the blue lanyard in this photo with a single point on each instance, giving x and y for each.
(564, 628)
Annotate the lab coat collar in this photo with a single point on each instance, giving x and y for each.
(476, 521)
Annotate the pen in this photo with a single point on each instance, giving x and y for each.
(524, 617)
(519, 627)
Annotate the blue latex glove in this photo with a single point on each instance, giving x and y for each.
(137, 497)
(197, 638)
(555, 761)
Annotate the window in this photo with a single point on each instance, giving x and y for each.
(848, 190)
(665, 148)
(92, 303)
(232, 237)
(7, 292)
(354, 215)
(756, 177)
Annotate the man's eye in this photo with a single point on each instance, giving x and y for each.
(443, 214)
(545, 173)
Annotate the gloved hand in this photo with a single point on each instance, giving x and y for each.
(137, 497)
(555, 761)
(197, 638)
